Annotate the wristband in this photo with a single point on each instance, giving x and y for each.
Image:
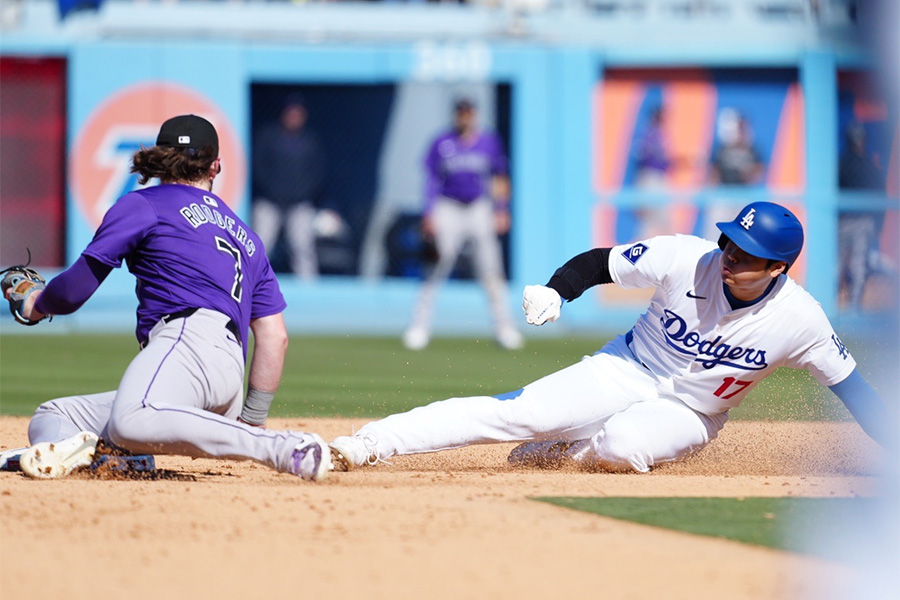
(256, 406)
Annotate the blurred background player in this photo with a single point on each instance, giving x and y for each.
(288, 175)
(202, 283)
(858, 231)
(735, 161)
(466, 200)
(652, 156)
(653, 164)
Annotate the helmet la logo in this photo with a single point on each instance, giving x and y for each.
(747, 221)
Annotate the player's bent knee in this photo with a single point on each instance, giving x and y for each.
(49, 407)
(622, 450)
(49, 423)
(123, 431)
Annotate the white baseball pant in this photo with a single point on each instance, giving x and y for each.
(299, 229)
(456, 223)
(609, 399)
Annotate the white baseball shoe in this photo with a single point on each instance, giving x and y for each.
(510, 339)
(53, 460)
(416, 338)
(548, 455)
(311, 459)
(349, 452)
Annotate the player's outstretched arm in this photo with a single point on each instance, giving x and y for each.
(70, 289)
(869, 410)
(582, 272)
(65, 293)
(270, 347)
(542, 304)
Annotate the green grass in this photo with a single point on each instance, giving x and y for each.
(803, 525)
(362, 376)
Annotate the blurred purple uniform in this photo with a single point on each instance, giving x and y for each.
(459, 170)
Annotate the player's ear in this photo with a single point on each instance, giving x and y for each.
(777, 267)
(215, 168)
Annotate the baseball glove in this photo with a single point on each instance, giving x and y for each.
(19, 282)
(429, 251)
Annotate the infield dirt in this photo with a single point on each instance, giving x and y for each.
(456, 524)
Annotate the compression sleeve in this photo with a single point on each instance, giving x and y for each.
(582, 272)
(867, 408)
(66, 292)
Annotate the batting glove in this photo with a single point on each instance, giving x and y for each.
(541, 304)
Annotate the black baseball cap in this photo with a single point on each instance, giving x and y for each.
(294, 99)
(188, 131)
(462, 104)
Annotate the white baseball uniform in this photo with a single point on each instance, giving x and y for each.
(658, 393)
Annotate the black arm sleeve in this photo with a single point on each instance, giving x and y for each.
(582, 272)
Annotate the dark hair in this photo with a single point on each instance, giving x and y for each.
(172, 164)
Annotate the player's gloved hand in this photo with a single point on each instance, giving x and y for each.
(541, 304)
(21, 286)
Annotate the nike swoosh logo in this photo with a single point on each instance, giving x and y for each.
(690, 295)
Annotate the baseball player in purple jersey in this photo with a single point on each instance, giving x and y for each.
(466, 199)
(203, 281)
(723, 317)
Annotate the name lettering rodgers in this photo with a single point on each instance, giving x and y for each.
(198, 215)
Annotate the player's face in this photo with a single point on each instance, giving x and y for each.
(294, 117)
(747, 276)
(464, 120)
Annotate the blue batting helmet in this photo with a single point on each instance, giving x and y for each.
(766, 230)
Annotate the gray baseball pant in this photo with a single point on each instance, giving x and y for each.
(181, 394)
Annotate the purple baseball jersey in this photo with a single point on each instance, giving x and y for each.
(458, 168)
(187, 249)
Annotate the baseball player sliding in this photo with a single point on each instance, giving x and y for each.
(203, 280)
(723, 317)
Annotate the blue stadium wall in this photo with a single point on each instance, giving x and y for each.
(119, 88)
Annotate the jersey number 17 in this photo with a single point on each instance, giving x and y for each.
(727, 383)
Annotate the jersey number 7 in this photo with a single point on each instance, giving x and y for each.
(223, 245)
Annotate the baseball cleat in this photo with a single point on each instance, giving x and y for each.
(510, 339)
(547, 455)
(311, 459)
(53, 460)
(349, 452)
(416, 338)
